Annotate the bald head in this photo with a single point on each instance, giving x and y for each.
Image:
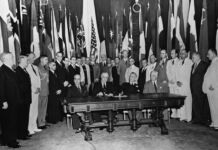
(7, 58)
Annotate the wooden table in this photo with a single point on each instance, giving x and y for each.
(158, 102)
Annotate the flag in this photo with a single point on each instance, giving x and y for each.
(193, 46)
(159, 28)
(116, 34)
(142, 36)
(60, 33)
(203, 40)
(89, 22)
(180, 33)
(34, 47)
(80, 40)
(150, 53)
(67, 38)
(71, 37)
(16, 29)
(125, 37)
(103, 46)
(25, 28)
(112, 44)
(54, 34)
(170, 28)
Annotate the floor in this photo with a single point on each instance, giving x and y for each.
(182, 136)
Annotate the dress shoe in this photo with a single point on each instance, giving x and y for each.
(43, 127)
(13, 145)
(37, 130)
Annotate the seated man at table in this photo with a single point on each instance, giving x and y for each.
(77, 90)
(131, 87)
(101, 89)
(153, 86)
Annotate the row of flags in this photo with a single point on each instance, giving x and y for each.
(36, 30)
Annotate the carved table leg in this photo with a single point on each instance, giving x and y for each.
(110, 121)
(88, 135)
(164, 130)
(134, 122)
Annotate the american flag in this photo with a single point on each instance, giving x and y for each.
(93, 40)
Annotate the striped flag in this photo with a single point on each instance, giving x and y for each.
(54, 34)
(193, 46)
(89, 22)
(203, 41)
(34, 47)
(71, 37)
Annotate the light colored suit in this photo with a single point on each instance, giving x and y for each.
(210, 80)
(35, 84)
(184, 75)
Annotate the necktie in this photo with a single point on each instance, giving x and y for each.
(155, 87)
(173, 62)
(183, 62)
(79, 88)
(34, 70)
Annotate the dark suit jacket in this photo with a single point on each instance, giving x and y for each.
(115, 75)
(98, 88)
(72, 72)
(104, 68)
(74, 92)
(130, 89)
(94, 72)
(54, 83)
(149, 88)
(9, 89)
(162, 73)
(60, 72)
(24, 84)
(197, 77)
(141, 79)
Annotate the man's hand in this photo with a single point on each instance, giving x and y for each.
(211, 88)
(110, 94)
(58, 92)
(100, 94)
(164, 82)
(179, 84)
(66, 83)
(5, 105)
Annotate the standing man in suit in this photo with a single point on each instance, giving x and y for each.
(130, 69)
(24, 85)
(115, 75)
(199, 99)
(153, 86)
(35, 89)
(161, 69)
(86, 70)
(55, 89)
(151, 67)
(77, 90)
(210, 87)
(103, 64)
(142, 75)
(82, 74)
(62, 77)
(123, 65)
(172, 66)
(183, 86)
(43, 95)
(73, 69)
(10, 97)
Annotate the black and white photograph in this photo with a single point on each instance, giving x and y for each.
(109, 74)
